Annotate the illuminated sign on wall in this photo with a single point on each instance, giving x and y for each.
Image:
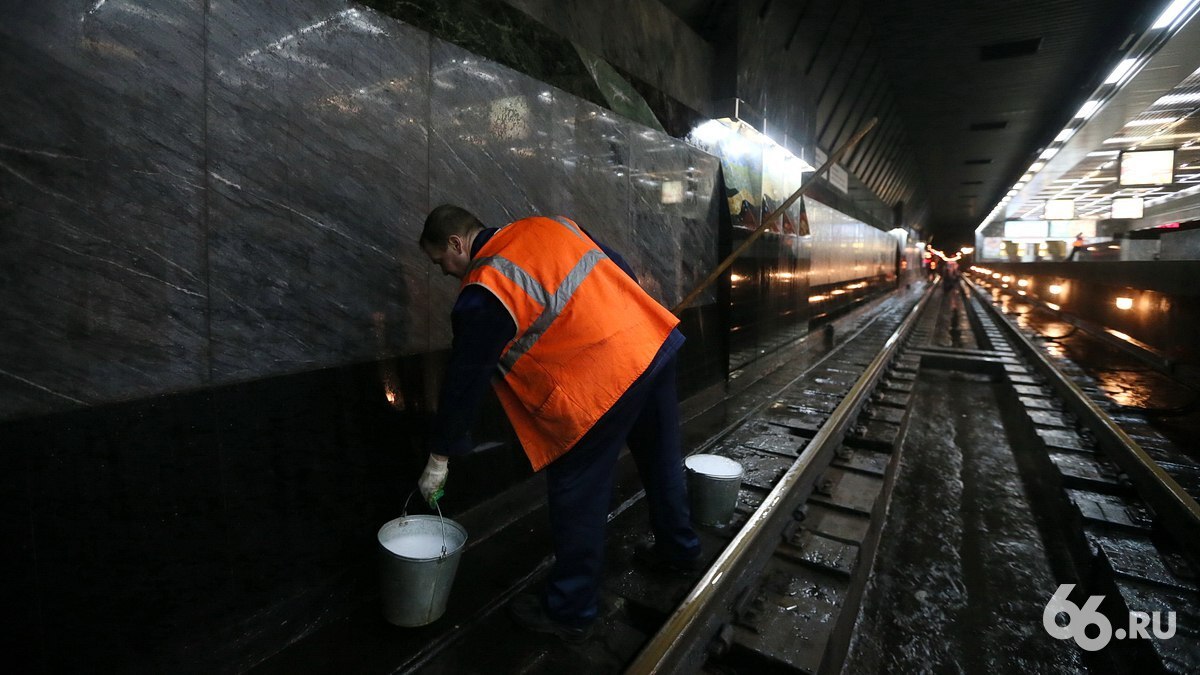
(1060, 209)
(1148, 167)
(672, 191)
(1025, 229)
(1127, 207)
(1067, 229)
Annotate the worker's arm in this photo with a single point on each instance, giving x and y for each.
(482, 327)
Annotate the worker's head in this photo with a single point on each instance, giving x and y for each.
(446, 239)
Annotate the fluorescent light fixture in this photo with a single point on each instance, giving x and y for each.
(1089, 109)
(1048, 153)
(1104, 153)
(1171, 13)
(1036, 167)
(1151, 122)
(1120, 71)
(1064, 135)
(1127, 139)
(710, 132)
(1172, 99)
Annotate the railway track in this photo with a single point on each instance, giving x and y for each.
(1119, 497)
(820, 445)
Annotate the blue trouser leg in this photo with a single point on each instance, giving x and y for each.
(579, 486)
(580, 483)
(654, 441)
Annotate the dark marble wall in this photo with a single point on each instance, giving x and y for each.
(196, 194)
(103, 253)
(648, 41)
(202, 532)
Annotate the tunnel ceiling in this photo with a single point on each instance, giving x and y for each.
(979, 86)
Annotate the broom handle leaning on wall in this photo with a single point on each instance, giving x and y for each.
(716, 273)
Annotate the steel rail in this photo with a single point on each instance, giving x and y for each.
(1172, 503)
(680, 644)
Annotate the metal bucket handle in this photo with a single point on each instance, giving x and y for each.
(441, 519)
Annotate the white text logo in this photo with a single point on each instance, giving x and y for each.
(1079, 618)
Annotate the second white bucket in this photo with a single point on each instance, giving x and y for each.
(713, 482)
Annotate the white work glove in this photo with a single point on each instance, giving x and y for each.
(433, 479)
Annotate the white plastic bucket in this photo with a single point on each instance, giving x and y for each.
(713, 483)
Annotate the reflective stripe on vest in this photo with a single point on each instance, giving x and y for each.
(552, 304)
(514, 273)
(571, 226)
(552, 309)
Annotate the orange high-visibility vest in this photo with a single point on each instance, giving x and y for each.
(585, 331)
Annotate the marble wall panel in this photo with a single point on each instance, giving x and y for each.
(497, 143)
(700, 213)
(318, 169)
(102, 288)
(649, 41)
(595, 188)
(217, 192)
(672, 190)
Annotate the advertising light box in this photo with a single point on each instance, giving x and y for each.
(1147, 167)
(1127, 207)
(1060, 209)
(1067, 229)
(1025, 229)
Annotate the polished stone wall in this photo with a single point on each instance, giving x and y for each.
(648, 41)
(194, 194)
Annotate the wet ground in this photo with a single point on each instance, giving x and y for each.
(961, 577)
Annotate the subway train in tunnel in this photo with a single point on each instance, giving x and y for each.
(224, 346)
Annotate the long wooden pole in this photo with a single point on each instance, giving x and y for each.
(716, 273)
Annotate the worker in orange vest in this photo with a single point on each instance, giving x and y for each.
(1076, 246)
(583, 361)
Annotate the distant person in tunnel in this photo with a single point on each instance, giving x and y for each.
(950, 274)
(583, 361)
(1076, 246)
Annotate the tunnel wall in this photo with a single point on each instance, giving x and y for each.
(1166, 300)
(202, 194)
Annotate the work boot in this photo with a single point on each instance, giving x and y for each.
(653, 557)
(527, 611)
